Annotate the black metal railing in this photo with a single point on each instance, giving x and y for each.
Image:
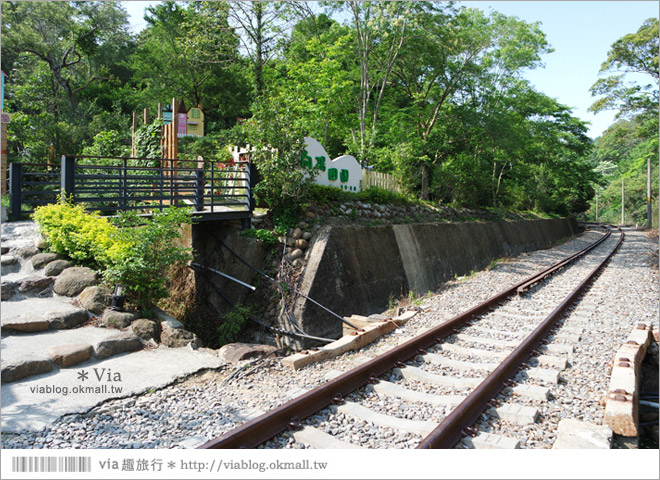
(30, 186)
(113, 184)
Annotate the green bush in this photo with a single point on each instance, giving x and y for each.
(266, 236)
(107, 143)
(71, 231)
(322, 194)
(134, 252)
(144, 251)
(379, 195)
(234, 325)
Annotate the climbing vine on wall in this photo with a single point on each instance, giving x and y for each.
(147, 140)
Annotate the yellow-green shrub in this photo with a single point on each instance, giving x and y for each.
(144, 251)
(71, 231)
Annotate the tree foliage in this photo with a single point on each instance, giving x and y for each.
(430, 92)
(626, 147)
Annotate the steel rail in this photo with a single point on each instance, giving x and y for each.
(451, 429)
(289, 415)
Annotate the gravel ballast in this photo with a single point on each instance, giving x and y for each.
(210, 404)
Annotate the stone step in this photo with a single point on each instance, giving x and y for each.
(30, 314)
(40, 352)
(139, 371)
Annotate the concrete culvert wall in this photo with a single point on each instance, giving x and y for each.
(359, 270)
(192, 298)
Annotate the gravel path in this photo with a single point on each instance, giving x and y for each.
(209, 404)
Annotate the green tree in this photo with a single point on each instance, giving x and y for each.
(191, 52)
(632, 140)
(633, 53)
(58, 55)
(261, 25)
(65, 36)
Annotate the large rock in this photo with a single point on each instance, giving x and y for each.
(175, 338)
(74, 280)
(69, 318)
(22, 368)
(40, 242)
(120, 343)
(237, 352)
(71, 354)
(167, 320)
(26, 252)
(40, 260)
(296, 254)
(115, 319)
(35, 284)
(145, 329)
(53, 269)
(7, 290)
(95, 299)
(6, 260)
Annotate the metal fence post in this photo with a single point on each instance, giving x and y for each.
(15, 183)
(68, 176)
(199, 189)
(123, 195)
(252, 168)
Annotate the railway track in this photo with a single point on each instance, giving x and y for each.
(438, 390)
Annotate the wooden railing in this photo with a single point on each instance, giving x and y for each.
(380, 180)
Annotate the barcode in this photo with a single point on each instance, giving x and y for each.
(51, 464)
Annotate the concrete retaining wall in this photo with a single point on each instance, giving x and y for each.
(358, 270)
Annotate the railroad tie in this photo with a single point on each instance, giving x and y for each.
(389, 389)
(352, 409)
(543, 374)
(550, 361)
(474, 352)
(561, 348)
(317, 438)
(491, 331)
(514, 413)
(457, 364)
(419, 375)
(533, 392)
(487, 341)
(491, 441)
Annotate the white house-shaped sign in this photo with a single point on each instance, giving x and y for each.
(343, 172)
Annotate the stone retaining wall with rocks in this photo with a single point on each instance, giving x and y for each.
(360, 270)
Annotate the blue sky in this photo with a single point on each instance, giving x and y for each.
(580, 32)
